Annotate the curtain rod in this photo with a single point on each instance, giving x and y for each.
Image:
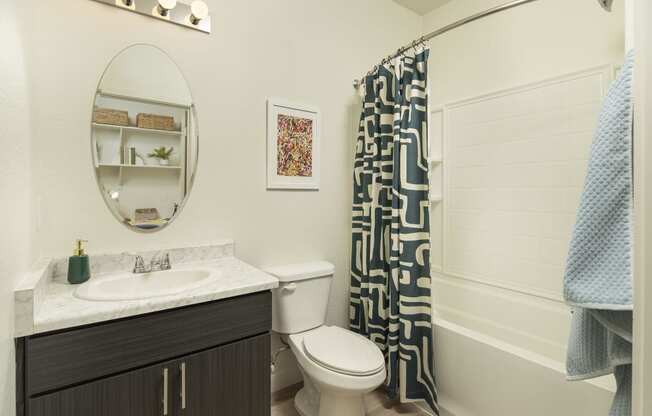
(422, 40)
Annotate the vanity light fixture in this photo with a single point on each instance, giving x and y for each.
(164, 6)
(192, 14)
(198, 12)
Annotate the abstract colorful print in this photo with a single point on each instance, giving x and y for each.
(294, 146)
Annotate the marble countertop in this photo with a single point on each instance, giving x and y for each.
(54, 305)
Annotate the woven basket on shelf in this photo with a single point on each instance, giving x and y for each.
(155, 121)
(110, 116)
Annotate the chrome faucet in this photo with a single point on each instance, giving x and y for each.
(158, 262)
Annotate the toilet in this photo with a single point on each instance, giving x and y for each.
(338, 366)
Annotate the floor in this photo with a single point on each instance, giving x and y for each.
(377, 403)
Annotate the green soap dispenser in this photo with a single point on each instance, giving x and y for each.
(79, 270)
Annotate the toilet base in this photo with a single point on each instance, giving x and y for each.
(304, 405)
(329, 404)
(338, 405)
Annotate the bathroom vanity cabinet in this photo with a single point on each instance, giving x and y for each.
(202, 360)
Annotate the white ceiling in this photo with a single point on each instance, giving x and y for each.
(422, 6)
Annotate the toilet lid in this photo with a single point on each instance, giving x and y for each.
(343, 351)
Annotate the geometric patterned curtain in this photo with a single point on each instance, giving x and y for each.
(390, 255)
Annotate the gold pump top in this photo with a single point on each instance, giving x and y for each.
(79, 247)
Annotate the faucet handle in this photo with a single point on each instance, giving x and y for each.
(160, 261)
(139, 265)
(165, 262)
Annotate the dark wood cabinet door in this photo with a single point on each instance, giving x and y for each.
(135, 393)
(231, 380)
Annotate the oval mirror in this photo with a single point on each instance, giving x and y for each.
(144, 138)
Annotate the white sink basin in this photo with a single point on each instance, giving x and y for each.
(129, 286)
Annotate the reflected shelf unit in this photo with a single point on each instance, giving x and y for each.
(135, 129)
(118, 165)
(148, 139)
(109, 140)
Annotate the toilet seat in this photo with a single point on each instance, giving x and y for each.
(343, 351)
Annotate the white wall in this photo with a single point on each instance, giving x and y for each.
(534, 42)
(14, 184)
(308, 51)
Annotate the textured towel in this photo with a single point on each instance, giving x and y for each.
(598, 280)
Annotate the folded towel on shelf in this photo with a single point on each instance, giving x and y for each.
(598, 278)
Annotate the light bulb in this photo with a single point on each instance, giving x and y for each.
(198, 11)
(164, 6)
(114, 194)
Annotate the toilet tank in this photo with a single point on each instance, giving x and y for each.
(300, 301)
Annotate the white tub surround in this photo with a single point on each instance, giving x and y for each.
(45, 301)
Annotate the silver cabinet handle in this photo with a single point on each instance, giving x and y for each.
(183, 385)
(165, 392)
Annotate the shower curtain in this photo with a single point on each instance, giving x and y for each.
(390, 256)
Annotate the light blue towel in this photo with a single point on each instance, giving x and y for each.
(598, 280)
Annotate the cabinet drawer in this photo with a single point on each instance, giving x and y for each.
(62, 359)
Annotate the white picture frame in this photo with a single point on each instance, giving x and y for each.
(308, 177)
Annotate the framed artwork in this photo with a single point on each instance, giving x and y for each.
(292, 145)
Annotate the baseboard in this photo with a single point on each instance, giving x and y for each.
(286, 393)
(443, 411)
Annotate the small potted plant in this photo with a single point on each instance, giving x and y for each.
(162, 154)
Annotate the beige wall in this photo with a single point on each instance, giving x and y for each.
(14, 183)
(306, 51)
(532, 43)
